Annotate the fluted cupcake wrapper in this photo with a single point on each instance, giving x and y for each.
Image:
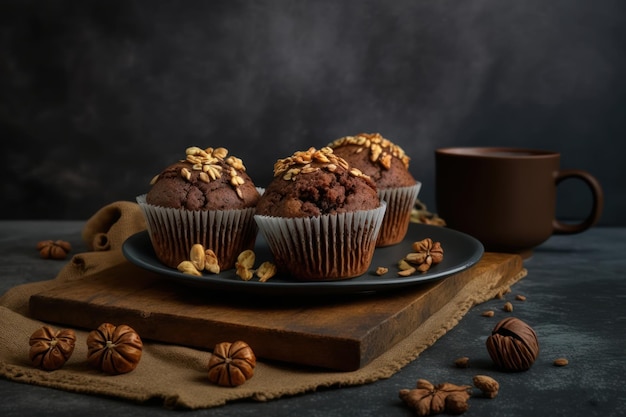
(400, 202)
(324, 248)
(174, 231)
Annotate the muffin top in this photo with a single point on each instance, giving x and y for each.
(316, 182)
(384, 162)
(207, 179)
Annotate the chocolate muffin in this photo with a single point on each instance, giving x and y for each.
(206, 198)
(321, 184)
(320, 217)
(173, 189)
(388, 166)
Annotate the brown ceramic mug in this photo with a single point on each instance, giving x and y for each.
(506, 197)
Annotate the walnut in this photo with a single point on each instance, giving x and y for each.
(231, 364)
(54, 249)
(114, 349)
(50, 349)
(428, 399)
(513, 345)
(425, 254)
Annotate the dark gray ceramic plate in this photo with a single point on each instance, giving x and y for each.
(461, 251)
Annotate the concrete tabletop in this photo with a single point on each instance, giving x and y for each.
(575, 301)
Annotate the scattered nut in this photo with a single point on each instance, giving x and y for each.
(211, 263)
(246, 259)
(197, 256)
(206, 260)
(520, 297)
(403, 265)
(560, 362)
(513, 345)
(488, 313)
(54, 249)
(428, 399)
(50, 349)
(199, 260)
(381, 270)
(406, 270)
(462, 362)
(265, 271)
(114, 349)
(244, 273)
(425, 254)
(244, 264)
(487, 385)
(231, 364)
(187, 267)
(508, 307)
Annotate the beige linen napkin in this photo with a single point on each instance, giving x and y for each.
(187, 384)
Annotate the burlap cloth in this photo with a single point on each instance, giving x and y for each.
(177, 375)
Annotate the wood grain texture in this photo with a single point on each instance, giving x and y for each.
(337, 332)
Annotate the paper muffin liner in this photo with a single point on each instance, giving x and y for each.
(174, 231)
(324, 248)
(400, 202)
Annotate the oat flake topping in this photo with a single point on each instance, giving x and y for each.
(300, 163)
(381, 149)
(210, 162)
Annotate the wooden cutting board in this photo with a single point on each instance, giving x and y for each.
(341, 333)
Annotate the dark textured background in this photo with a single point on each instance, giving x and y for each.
(97, 96)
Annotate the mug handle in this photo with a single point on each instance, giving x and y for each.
(596, 208)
